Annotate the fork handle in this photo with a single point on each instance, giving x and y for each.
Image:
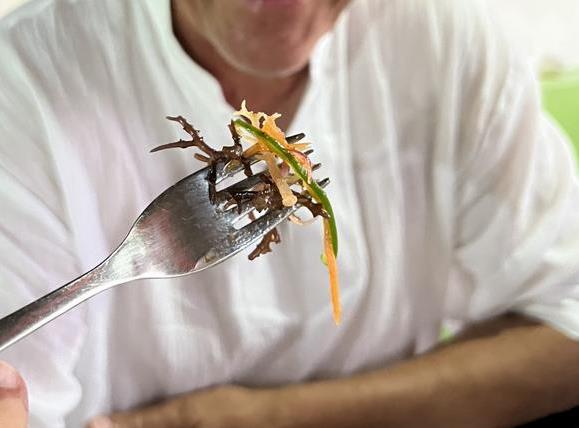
(31, 317)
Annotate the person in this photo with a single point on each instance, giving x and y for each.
(455, 198)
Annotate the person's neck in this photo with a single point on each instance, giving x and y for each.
(278, 94)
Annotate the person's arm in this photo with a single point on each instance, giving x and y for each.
(511, 372)
(502, 372)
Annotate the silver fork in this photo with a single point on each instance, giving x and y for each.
(179, 233)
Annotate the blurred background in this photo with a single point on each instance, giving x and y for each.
(547, 31)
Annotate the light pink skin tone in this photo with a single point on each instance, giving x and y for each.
(257, 49)
(13, 398)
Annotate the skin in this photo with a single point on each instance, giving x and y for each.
(258, 50)
(501, 373)
(13, 398)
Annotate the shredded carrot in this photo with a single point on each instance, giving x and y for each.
(261, 147)
(257, 147)
(333, 271)
(253, 117)
(271, 128)
(267, 124)
(252, 150)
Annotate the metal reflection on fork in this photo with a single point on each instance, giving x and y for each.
(179, 233)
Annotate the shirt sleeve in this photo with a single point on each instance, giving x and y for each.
(35, 242)
(517, 222)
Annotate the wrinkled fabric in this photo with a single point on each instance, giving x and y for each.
(455, 199)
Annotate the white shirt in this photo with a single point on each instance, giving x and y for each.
(454, 197)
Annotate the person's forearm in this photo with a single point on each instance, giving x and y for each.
(502, 373)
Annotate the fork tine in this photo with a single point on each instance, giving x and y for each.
(228, 170)
(272, 218)
(238, 212)
(225, 171)
(295, 138)
(266, 222)
(255, 179)
(246, 184)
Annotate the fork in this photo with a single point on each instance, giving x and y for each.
(179, 233)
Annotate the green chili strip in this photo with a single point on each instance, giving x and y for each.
(313, 188)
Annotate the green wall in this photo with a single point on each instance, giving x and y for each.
(561, 100)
